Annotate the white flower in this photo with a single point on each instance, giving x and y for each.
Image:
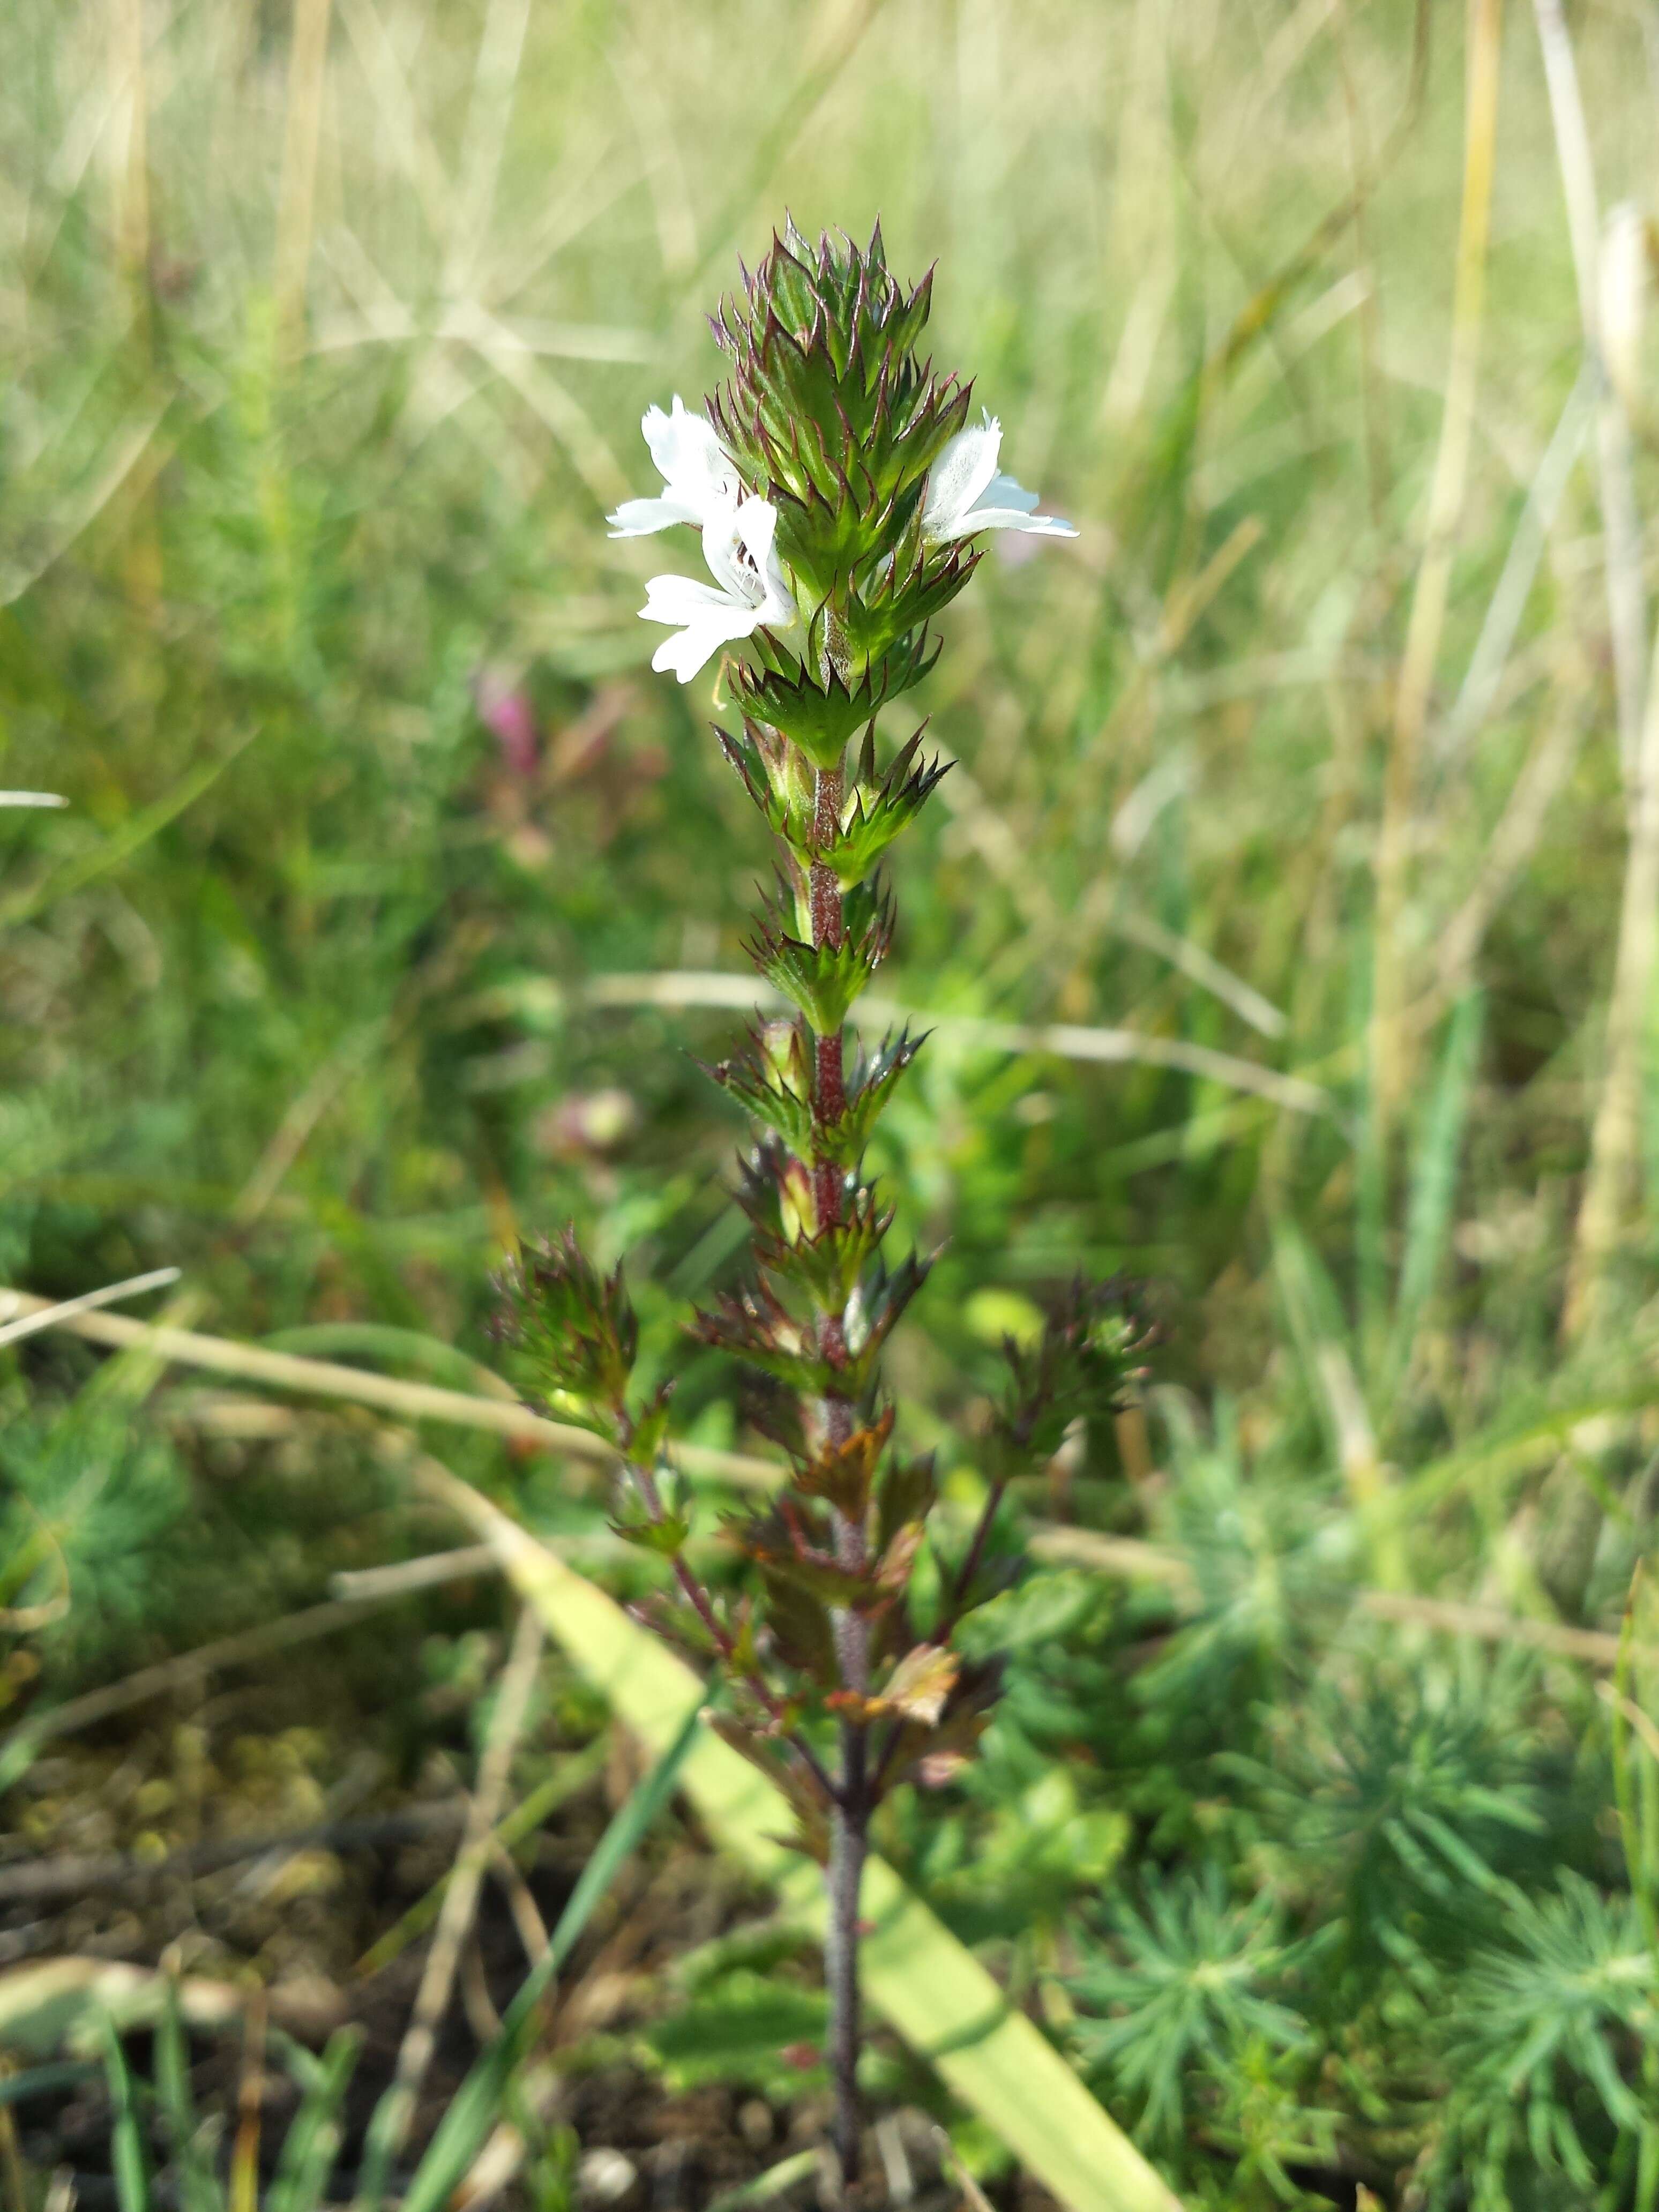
(699, 482)
(738, 547)
(965, 493)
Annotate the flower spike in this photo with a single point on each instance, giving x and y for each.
(841, 494)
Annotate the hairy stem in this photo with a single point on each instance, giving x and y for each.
(850, 1822)
(850, 1835)
(848, 1842)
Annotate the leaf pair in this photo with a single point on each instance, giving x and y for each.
(771, 1077)
(823, 981)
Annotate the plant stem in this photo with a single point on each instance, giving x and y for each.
(849, 1836)
(848, 1842)
(850, 1819)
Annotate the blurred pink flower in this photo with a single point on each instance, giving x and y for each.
(504, 710)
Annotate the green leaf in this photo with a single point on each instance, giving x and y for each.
(822, 980)
(128, 2161)
(1041, 1609)
(665, 1537)
(801, 2166)
(921, 1682)
(317, 2129)
(198, 2183)
(1434, 1182)
(916, 1974)
(737, 2031)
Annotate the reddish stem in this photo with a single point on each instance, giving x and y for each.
(849, 1825)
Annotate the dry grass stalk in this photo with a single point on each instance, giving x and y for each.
(177, 1674)
(1606, 1208)
(1390, 1038)
(1509, 849)
(1086, 1042)
(455, 1915)
(130, 148)
(408, 1401)
(1626, 595)
(53, 1317)
(296, 206)
(1615, 1130)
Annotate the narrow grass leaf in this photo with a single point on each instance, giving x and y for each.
(765, 2187)
(197, 2185)
(315, 2133)
(1434, 1182)
(128, 2162)
(15, 2088)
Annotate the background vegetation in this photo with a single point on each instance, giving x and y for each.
(379, 928)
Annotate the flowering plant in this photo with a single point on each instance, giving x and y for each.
(839, 489)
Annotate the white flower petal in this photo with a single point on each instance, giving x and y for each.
(639, 518)
(1016, 518)
(696, 468)
(749, 589)
(681, 599)
(1004, 491)
(961, 472)
(702, 636)
(757, 527)
(721, 542)
(682, 445)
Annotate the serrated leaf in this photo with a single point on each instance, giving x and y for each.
(842, 1474)
(822, 980)
(807, 1830)
(575, 1328)
(816, 1577)
(820, 715)
(770, 1077)
(879, 809)
(921, 1683)
(904, 1496)
(665, 1537)
(800, 1627)
(899, 1556)
(754, 1325)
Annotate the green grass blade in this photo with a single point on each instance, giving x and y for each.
(1319, 1328)
(478, 2102)
(1434, 1184)
(1326, 1348)
(926, 1984)
(114, 851)
(69, 2075)
(770, 2185)
(128, 2161)
(198, 2186)
(314, 2133)
(1370, 1166)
